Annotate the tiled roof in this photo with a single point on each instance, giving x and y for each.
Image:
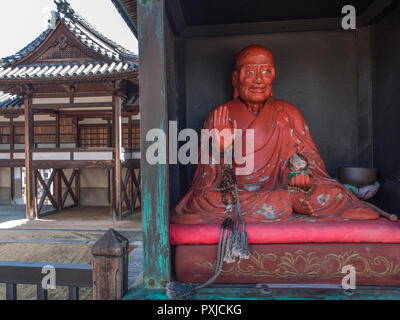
(82, 30)
(119, 60)
(26, 50)
(65, 70)
(128, 11)
(9, 101)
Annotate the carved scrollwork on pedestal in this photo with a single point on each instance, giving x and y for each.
(310, 265)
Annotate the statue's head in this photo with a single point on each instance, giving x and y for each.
(253, 75)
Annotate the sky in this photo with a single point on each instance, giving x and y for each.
(21, 21)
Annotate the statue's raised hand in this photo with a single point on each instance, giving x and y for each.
(225, 133)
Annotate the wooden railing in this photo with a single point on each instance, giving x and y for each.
(73, 276)
(108, 274)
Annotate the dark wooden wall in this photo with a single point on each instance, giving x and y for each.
(317, 71)
(344, 83)
(386, 107)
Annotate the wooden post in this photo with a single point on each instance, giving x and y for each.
(28, 159)
(130, 123)
(12, 143)
(12, 173)
(35, 193)
(117, 145)
(57, 189)
(110, 266)
(78, 186)
(12, 184)
(154, 114)
(57, 130)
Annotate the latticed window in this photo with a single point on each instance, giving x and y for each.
(19, 134)
(135, 145)
(68, 130)
(45, 133)
(4, 135)
(136, 138)
(94, 136)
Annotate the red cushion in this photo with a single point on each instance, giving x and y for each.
(371, 231)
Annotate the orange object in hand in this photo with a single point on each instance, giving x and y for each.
(301, 180)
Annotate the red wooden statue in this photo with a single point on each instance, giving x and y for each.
(289, 175)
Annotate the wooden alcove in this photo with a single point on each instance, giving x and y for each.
(343, 81)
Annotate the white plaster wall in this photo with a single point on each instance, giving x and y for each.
(5, 177)
(5, 186)
(94, 187)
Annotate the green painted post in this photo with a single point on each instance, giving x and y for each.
(153, 108)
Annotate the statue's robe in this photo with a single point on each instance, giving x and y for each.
(280, 131)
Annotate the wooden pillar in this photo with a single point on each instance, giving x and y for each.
(57, 189)
(12, 184)
(154, 114)
(117, 164)
(57, 130)
(130, 123)
(77, 132)
(12, 142)
(30, 194)
(110, 266)
(35, 194)
(78, 186)
(12, 173)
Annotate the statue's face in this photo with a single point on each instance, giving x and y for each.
(254, 75)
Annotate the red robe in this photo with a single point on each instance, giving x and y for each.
(280, 131)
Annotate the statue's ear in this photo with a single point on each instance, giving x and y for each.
(235, 79)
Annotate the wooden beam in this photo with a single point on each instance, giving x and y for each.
(373, 11)
(117, 125)
(59, 164)
(176, 17)
(262, 27)
(46, 190)
(154, 114)
(68, 187)
(28, 125)
(18, 163)
(72, 105)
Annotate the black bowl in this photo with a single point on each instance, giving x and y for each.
(357, 176)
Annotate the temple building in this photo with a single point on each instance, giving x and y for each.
(69, 121)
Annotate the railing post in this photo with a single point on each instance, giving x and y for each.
(110, 266)
(11, 291)
(41, 294)
(73, 293)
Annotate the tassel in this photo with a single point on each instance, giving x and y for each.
(180, 291)
(186, 291)
(236, 243)
(243, 247)
(228, 256)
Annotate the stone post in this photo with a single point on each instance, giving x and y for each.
(110, 266)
